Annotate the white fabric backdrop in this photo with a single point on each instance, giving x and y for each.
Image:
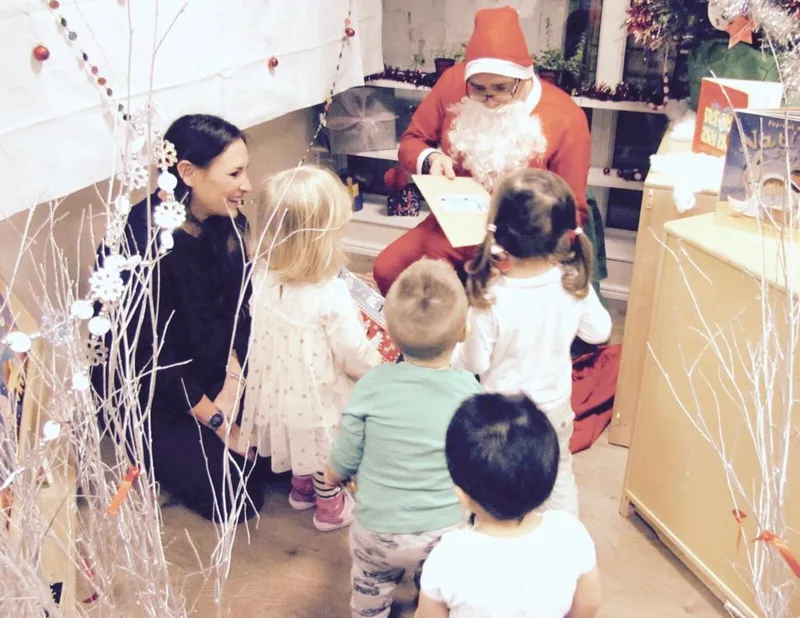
(56, 135)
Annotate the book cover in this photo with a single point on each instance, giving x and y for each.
(370, 302)
(762, 164)
(718, 98)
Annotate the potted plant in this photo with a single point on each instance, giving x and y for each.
(445, 57)
(553, 67)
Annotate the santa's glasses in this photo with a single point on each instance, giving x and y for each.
(502, 93)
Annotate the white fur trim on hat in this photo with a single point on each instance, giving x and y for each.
(496, 66)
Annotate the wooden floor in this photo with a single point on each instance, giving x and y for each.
(289, 570)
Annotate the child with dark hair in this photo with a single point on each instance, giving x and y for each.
(503, 456)
(393, 432)
(525, 318)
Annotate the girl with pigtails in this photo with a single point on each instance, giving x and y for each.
(530, 295)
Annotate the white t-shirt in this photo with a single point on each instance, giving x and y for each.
(533, 576)
(522, 342)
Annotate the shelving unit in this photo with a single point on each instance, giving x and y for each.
(372, 228)
(596, 176)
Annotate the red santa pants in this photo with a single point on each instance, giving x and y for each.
(425, 240)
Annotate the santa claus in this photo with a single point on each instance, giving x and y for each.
(485, 117)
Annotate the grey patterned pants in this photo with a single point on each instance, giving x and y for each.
(379, 562)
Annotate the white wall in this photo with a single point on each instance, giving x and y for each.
(273, 145)
(420, 26)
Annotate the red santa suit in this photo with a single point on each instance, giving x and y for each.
(497, 46)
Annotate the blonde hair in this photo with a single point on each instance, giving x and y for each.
(426, 309)
(532, 215)
(298, 219)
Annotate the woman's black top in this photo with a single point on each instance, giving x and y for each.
(198, 284)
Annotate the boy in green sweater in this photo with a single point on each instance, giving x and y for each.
(393, 433)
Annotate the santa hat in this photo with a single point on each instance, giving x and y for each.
(498, 46)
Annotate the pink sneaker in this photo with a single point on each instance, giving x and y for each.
(301, 497)
(334, 513)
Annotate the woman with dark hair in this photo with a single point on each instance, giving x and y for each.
(202, 327)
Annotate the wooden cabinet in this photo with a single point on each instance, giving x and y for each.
(699, 375)
(658, 207)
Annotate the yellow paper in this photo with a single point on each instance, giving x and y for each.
(461, 207)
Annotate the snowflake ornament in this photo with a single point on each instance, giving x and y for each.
(96, 352)
(115, 228)
(106, 284)
(57, 327)
(164, 154)
(169, 215)
(141, 118)
(136, 176)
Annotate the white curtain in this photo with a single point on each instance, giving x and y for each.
(57, 129)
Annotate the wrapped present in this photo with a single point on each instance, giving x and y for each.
(404, 203)
(371, 304)
(362, 120)
(404, 198)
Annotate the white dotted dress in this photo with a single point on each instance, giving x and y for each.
(307, 345)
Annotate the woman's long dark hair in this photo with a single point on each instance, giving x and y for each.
(199, 139)
(532, 215)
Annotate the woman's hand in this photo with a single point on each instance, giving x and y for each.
(232, 437)
(441, 165)
(229, 397)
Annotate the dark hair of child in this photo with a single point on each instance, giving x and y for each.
(502, 451)
(532, 215)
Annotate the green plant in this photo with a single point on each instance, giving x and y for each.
(454, 52)
(552, 58)
(417, 61)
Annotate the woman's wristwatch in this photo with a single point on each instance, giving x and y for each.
(216, 420)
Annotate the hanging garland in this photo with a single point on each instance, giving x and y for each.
(41, 53)
(414, 77)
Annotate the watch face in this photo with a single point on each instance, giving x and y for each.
(216, 420)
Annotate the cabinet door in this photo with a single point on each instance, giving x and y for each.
(698, 387)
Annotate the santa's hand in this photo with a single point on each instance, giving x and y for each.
(442, 165)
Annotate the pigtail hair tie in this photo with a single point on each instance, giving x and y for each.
(491, 228)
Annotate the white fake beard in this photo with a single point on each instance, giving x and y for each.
(492, 142)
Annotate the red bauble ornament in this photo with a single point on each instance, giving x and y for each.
(54, 4)
(101, 81)
(41, 53)
(349, 31)
(272, 62)
(606, 171)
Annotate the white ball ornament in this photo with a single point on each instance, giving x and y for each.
(167, 241)
(123, 204)
(114, 262)
(81, 309)
(99, 325)
(51, 430)
(18, 342)
(80, 381)
(167, 182)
